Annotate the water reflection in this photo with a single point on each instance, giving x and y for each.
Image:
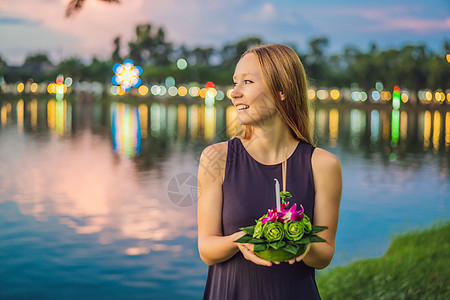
(101, 170)
(130, 124)
(125, 130)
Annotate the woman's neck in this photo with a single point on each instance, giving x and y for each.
(269, 141)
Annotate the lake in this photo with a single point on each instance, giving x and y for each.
(98, 198)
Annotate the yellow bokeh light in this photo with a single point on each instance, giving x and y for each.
(20, 87)
(404, 97)
(311, 94)
(182, 91)
(203, 92)
(385, 95)
(127, 75)
(194, 91)
(448, 58)
(211, 92)
(33, 87)
(229, 93)
(121, 92)
(428, 96)
(335, 94)
(143, 90)
(437, 96)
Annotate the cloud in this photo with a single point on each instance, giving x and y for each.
(378, 20)
(267, 12)
(17, 21)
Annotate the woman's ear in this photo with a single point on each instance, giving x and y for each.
(282, 96)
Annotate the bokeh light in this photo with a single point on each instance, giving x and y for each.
(335, 94)
(172, 91)
(143, 90)
(181, 63)
(311, 94)
(20, 87)
(127, 75)
(182, 91)
(170, 81)
(194, 91)
(322, 94)
(229, 93)
(379, 86)
(33, 87)
(376, 95)
(220, 95)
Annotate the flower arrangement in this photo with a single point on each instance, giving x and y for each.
(283, 233)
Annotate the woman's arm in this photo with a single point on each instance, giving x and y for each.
(328, 184)
(212, 245)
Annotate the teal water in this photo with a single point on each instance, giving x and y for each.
(97, 199)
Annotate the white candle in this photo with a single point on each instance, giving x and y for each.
(277, 193)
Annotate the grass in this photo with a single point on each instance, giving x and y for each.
(416, 266)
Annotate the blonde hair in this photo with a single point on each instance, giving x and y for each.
(282, 71)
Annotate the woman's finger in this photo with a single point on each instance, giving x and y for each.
(247, 251)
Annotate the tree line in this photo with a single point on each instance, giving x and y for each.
(414, 67)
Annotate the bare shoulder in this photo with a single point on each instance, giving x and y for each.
(325, 162)
(213, 161)
(218, 150)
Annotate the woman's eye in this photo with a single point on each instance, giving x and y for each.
(234, 83)
(248, 81)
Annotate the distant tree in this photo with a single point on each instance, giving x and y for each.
(72, 67)
(75, 5)
(100, 71)
(37, 59)
(37, 66)
(202, 56)
(231, 53)
(3, 66)
(116, 53)
(316, 63)
(150, 47)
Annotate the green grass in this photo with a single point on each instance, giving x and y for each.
(416, 266)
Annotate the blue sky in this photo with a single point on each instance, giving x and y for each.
(28, 27)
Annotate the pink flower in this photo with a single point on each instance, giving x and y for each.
(291, 214)
(273, 216)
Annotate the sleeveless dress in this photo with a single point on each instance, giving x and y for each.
(248, 192)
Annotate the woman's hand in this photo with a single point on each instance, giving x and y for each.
(247, 251)
(249, 254)
(300, 258)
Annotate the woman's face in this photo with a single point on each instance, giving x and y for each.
(250, 96)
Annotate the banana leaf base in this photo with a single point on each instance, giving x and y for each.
(279, 254)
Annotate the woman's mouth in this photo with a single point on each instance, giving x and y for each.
(242, 107)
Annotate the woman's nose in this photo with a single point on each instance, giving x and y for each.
(235, 93)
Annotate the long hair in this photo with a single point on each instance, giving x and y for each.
(282, 71)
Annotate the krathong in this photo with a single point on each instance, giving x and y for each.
(283, 233)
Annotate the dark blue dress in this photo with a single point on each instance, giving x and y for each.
(248, 191)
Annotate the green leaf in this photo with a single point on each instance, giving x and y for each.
(260, 247)
(248, 229)
(316, 239)
(316, 229)
(304, 240)
(244, 239)
(291, 247)
(257, 241)
(277, 245)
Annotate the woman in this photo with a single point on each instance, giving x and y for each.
(236, 182)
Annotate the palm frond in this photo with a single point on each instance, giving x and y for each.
(75, 5)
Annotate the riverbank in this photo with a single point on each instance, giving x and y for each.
(414, 267)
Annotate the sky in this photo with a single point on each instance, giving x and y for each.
(36, 26)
